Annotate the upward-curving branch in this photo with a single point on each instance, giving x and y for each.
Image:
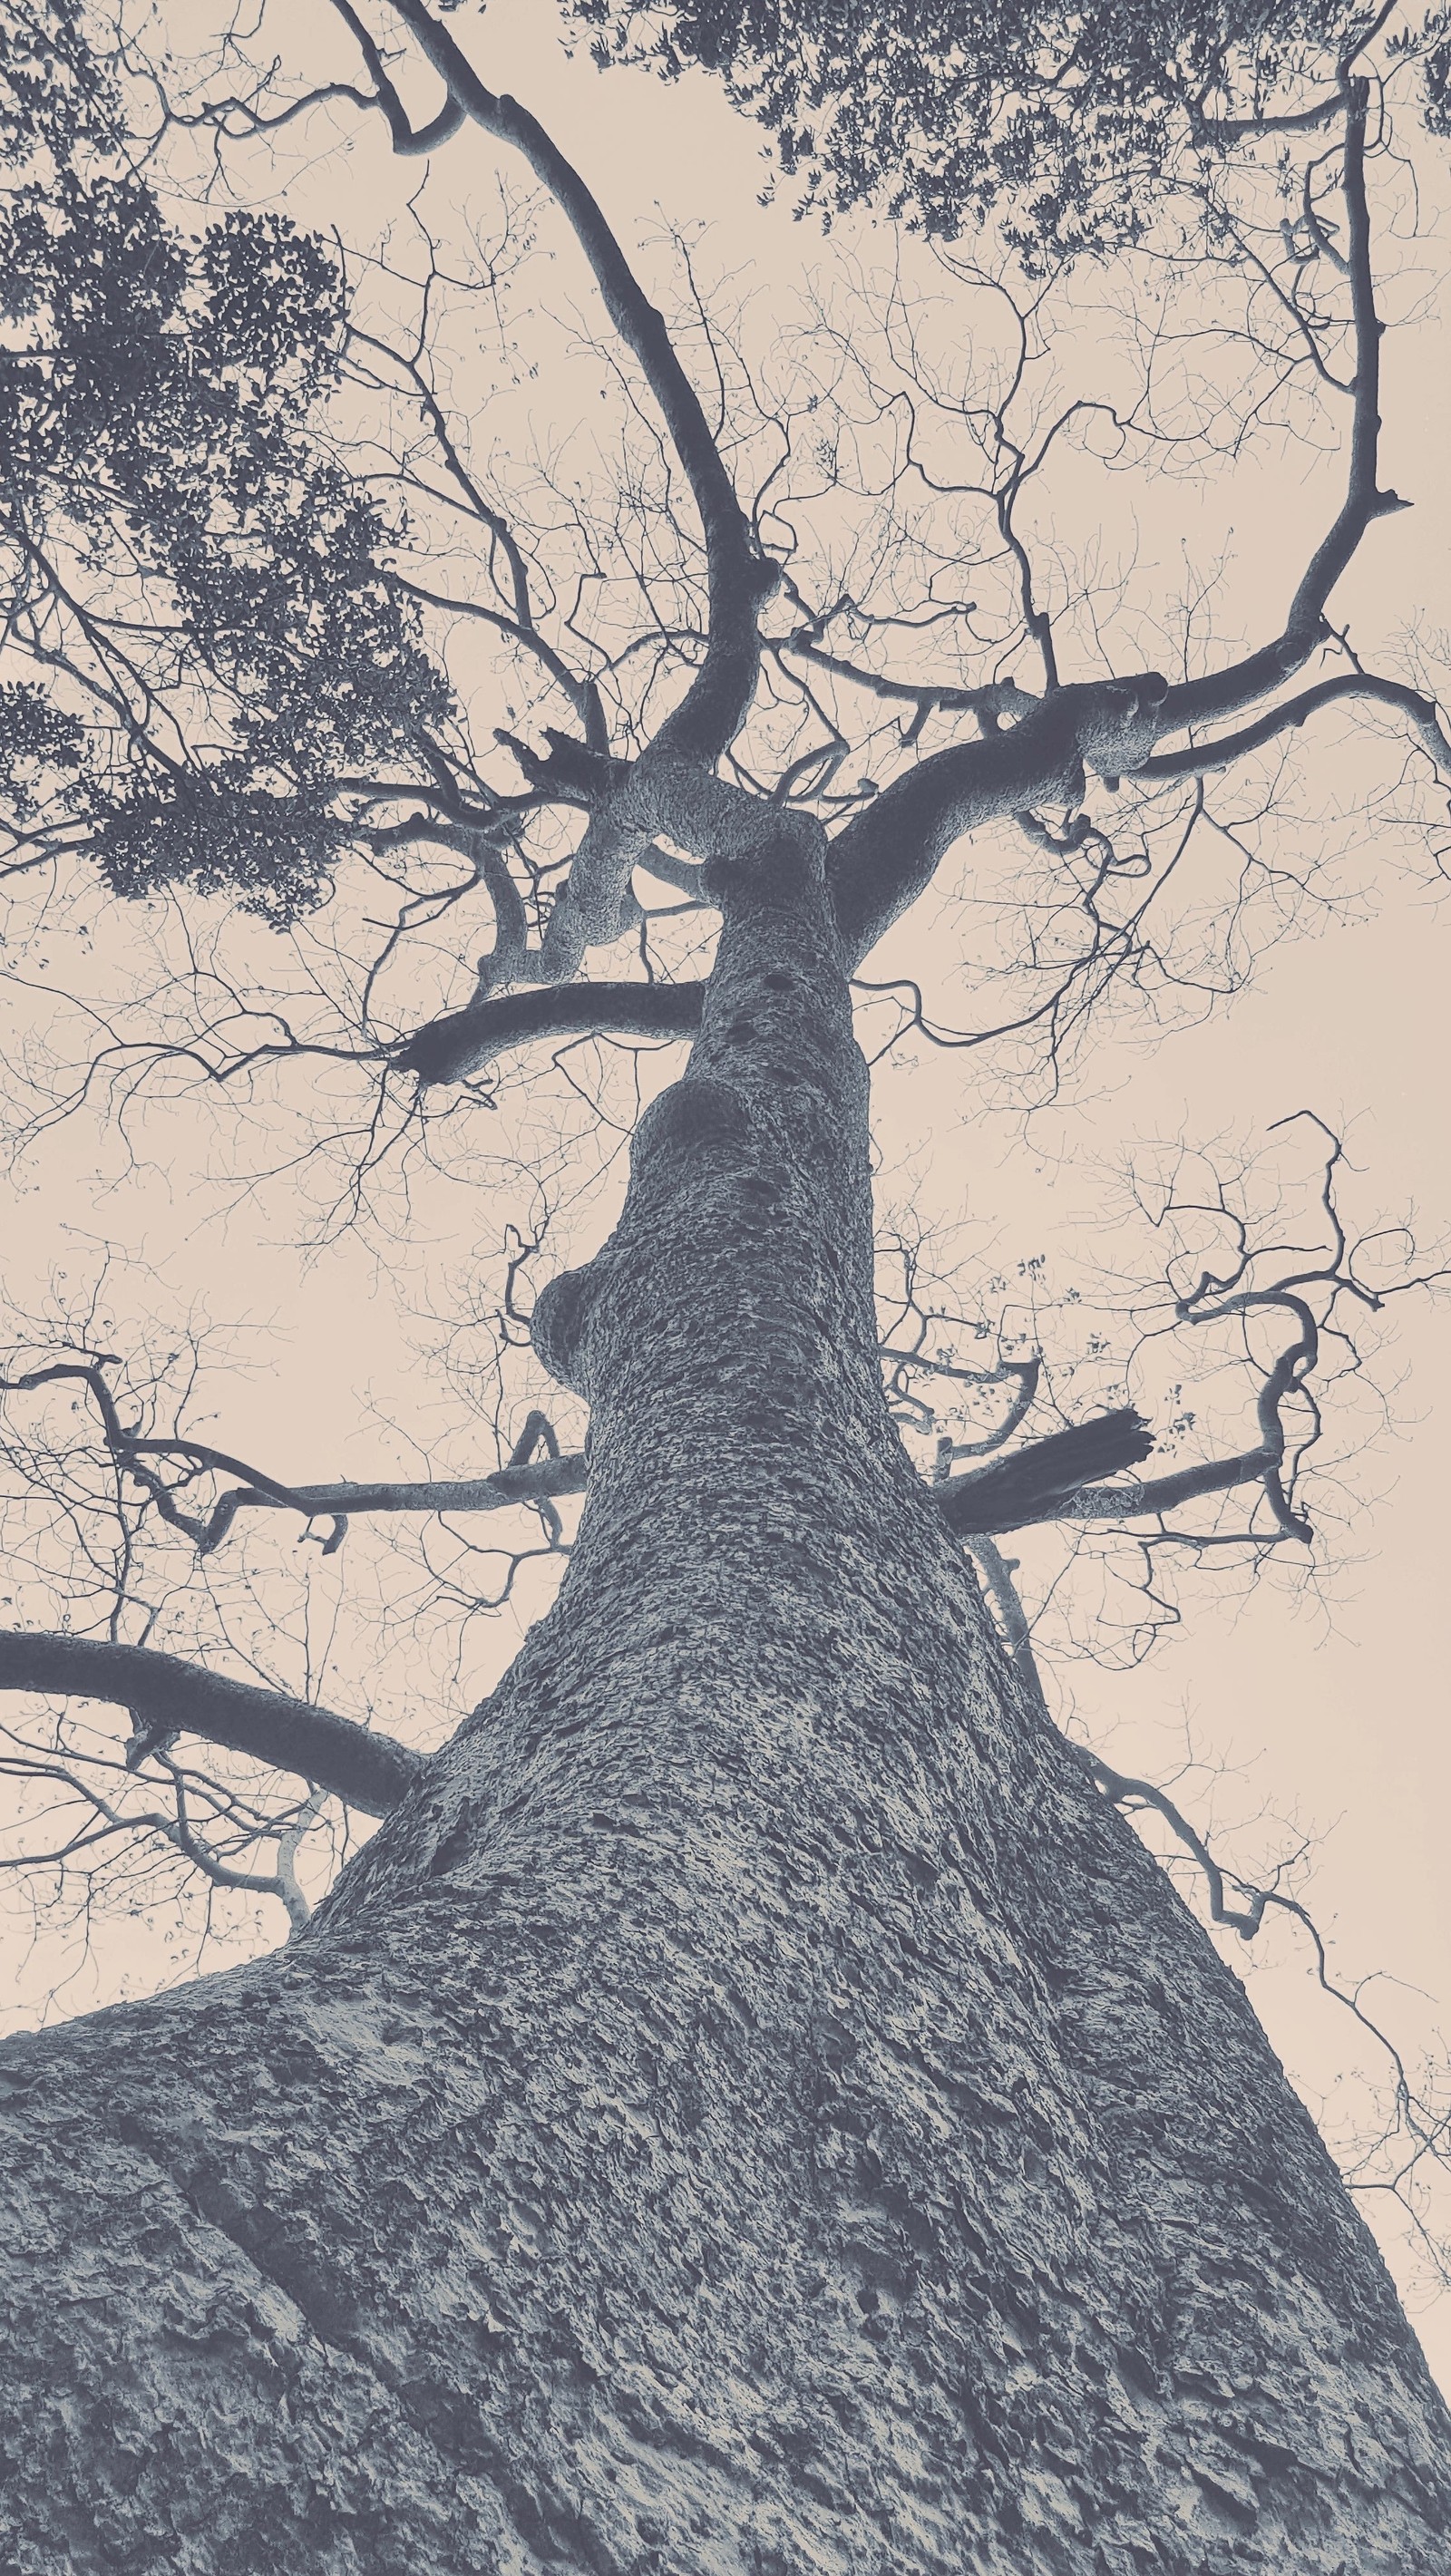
(739, 578)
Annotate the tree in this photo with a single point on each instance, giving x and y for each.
(753, 2101)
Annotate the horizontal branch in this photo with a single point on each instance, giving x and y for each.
(541, 1481)
(994, 698)
(463, 1042)
(1157, 1494)
(1059, 1478)
(1037, 1483)
(1301, 120)
(1051, 1479)
(165, 1695)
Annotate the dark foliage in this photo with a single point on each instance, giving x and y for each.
(163, 447)
(1431, 46)
(53, 92)
(941, 111)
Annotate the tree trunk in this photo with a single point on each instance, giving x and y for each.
(754, 2108)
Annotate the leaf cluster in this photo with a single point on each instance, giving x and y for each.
(1061, 119)
(54, 94)
(202, 581)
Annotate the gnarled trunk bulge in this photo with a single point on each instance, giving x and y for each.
(753, 2107)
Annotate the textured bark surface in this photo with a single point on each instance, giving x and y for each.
(754, 2108)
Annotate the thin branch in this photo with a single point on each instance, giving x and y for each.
(1221, 693)
(1117, 1787)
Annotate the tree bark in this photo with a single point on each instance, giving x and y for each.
(753, 2108)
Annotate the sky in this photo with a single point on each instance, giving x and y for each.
(1320, 1718)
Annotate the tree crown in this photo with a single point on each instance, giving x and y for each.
(1069, 119)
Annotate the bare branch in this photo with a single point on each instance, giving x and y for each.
(1222, 693)
(1159, 1494)
(463, 1042)
(1200, 758)
(448, 120)
(1123, 1791)
(739, 579)
(1039, 1482)
(166, 1696)
(507, 1488)
(888, 855)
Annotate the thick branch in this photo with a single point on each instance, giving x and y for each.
(1303, 120)
(166, 1695)
(1201, 757)
(463, 1042)
(1035, 1484)
(1014, 1492)
(888, 855)
(405, 140)
(1158, 1494)
(716, 701)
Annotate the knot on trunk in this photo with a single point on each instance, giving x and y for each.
(696, 1121)
(559, 1326)
(695, 1116)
